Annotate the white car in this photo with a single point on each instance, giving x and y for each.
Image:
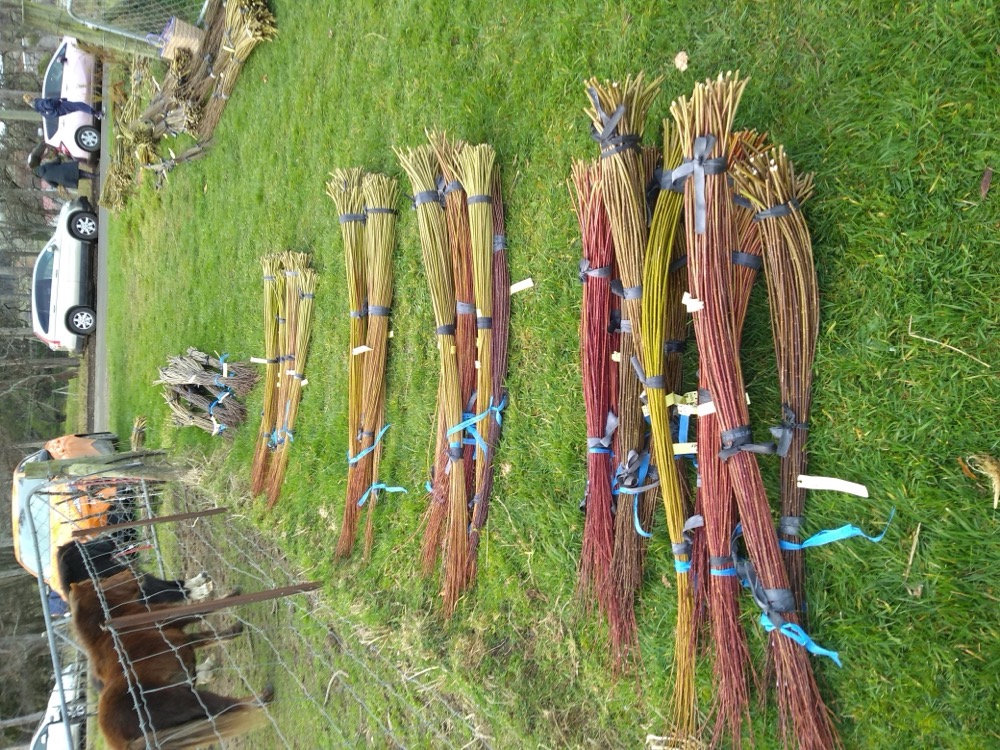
(70, 719)
(70, 75)
(62, 307)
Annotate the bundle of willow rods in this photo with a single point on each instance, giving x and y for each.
(656, 279)
(705, 125)
(419, 165)
(457, 215)
(347, 193)
(618, 112)
(201, 391)
(193, 406)
(769, 182)
(274, 297)
(594, 577)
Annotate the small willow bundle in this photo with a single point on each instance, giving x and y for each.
(457, 215)
(274, 296)
(418, 164)
(346, 190)
(768, 180)
(594, 574)
(300, 289)
(193, 406)
(618, 113)
(138, 437)
(656, 279)
(501, 331)
(381, 196)
(705, 126)
(476, 171)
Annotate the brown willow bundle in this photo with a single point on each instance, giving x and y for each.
(731, 666)
(594, 575)
(300, 289)
(192, 406)
(457, 215)
(501, 330)
(769, 182)
(419, 166)
(347, 193)
(705, 125)
(476, 171)
(656, 278)
(618, 113)
(274, 320)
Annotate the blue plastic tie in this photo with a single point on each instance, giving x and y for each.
(682, 566)
(361, 454)
(797, 634)
(723, 572)
(378, 486)
(829, 536)
(428, 486)
(635, 519)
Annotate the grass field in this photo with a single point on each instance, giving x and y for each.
(892, 105)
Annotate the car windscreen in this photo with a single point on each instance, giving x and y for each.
(52, 88)
(41, 295)
(34, 547)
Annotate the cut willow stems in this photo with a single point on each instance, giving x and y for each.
(419, 166)
(618, 112)
(656, 292)
(274, 295)
(769, 182)
(346, 191)
(501, 330)
(708, 118)
(594, 575)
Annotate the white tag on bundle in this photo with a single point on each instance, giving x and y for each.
(521, 285)
(693, 304)
(616, 356)
(808, 482)
(360, 349)
(685, 449)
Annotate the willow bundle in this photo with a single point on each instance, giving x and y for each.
(214, 413)
(501, 330)
(618, 113)
(347, 193)
(300, 289)
(381, 196)
(594, 576)
(769, 182)
(274, 298)
(476, 170)
(419, 165)
(655, 285)
(705, 125)
(457, 216)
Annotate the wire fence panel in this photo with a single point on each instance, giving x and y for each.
(137, 19)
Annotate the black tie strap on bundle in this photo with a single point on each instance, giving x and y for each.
(428, 196)
(683, 549)
(742, 201)
(738, 439)
(378, 311)
(603, 444)
(677, 263)
(474, 199)
(653, 381)
(625, 326)
(380, 210)
(790, 525)
(362, 313)
(625, 292)
(698, 166)
(615, 321)
(747, 260)
(674, 346)
(452, 186)
(348, 218)
(772, 602)
(484, 323)
(604, 272)
(499, 242)
(611, 143)
(784, 432)
(778, 210)
(447, 329)
(465, 308)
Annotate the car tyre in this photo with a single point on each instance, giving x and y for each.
(88, 138)
(83, 226)
(81, 320)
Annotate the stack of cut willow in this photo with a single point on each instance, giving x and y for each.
(289, 291)
(202, 391)
(468, 275)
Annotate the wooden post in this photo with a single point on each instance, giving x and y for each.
(78, 533)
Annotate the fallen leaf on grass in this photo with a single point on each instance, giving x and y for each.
(965, 468)
(984, 184)
(681, 61)
(988, 467)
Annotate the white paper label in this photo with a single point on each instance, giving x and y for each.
(693, 304)
(521, 286)
(808, 482)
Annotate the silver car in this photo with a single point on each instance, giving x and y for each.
(62, 303)
(65, 722)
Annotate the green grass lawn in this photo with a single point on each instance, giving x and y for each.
(893, 107)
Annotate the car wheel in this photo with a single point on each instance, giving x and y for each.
(83, 225)
(89, 139)
(81, 320)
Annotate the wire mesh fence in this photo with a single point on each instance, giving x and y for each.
(137, 19)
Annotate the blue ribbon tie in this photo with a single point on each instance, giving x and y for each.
(829, 536)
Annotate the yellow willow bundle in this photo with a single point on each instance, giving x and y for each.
(656, 292)
(274, 295)
(476, 173)
(346, 191)
(300, 284)
(419, 166)
(381, 195)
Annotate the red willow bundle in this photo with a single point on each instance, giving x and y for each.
(594, 576)
(769, 182)
(705, 124)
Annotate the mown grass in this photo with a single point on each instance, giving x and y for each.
(891, 106)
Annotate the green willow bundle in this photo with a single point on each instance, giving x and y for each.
(656, 292)
(274, 296)
(347, 193)
(419, 166)
(618, 112)
(768, 180)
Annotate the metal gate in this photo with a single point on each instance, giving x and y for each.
(144, 20)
